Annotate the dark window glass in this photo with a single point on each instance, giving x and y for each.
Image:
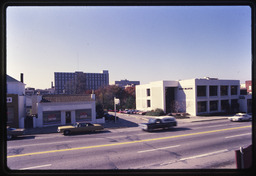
(83, 115)
(201, 91)
(224, 105)
(213, 105)
(51, 117)
(233, 90)
(201, 106)
(224, 90)
(213, 90)
(148, 92)
(148, 103)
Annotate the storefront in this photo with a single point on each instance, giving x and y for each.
(65, 109)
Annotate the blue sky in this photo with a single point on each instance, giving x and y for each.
(136, 43)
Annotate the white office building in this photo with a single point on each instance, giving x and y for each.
(193, 96)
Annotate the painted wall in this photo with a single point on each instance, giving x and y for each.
(64, 107)
(186, 96)
(15, 88)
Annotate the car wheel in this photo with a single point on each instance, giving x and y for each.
(9, 137)
(66, 132)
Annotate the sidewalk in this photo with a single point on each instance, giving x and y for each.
(128, 120)
(191, 119)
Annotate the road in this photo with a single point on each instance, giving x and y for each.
(201, 145)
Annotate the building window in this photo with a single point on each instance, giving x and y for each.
(213, 105)
(201, 106)
(224, 90)
(234, 105)
(233, 90)
(51, 117)
(148, 103)
(83, 115)
(201, 91)
(224, 105)
(148, 92)
(213, 90)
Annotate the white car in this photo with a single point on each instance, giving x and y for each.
(240, 117)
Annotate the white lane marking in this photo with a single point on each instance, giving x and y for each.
(34, 167)
(29, 145)
(202, 155)
(238, 135)
(158, 149)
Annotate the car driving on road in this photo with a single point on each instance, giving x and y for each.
(240, 117)
(79, 128)
(161, 122)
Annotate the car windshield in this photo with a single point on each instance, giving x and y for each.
(169, 120)
(151, 121)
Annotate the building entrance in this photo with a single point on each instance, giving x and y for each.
(169, 99)
(68, 117)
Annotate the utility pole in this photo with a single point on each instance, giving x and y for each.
(116, 101)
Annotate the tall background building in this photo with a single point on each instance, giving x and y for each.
(74, 83)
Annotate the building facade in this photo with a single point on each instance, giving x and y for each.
(124, 83)
(16, 102)
(248, 85)
(55, 110)
(72, 83)
(194, 96)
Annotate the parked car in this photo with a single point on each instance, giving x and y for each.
(142, 112)
(240, 117)
(162, 122)
(127, 111)
(79, 127)
(14, 132)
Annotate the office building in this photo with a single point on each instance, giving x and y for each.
(74, 83)
(194, 96)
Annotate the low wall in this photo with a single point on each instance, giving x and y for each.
(102, 120)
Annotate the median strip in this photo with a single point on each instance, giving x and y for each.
(123, 143)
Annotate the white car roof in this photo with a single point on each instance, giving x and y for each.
(240, 113)
(163, 117)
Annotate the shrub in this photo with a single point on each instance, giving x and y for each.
(156, 112)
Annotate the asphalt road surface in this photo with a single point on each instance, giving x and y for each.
(201, 145)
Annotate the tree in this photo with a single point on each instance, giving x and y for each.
(80, 84)
(99, 110)
(177, 106)
(105, 96)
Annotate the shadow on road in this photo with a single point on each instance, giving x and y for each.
(22, 137)
(87, 133)
(170, 130)
(120, 123)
